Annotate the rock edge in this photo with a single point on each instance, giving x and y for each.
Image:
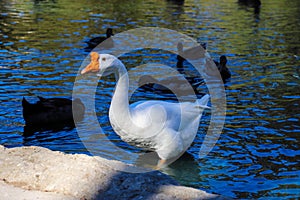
(39, 173)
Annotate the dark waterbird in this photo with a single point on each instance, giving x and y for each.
(224, 71)
(52, 111)
(177, 2)
(92, 43)
(174, 84)
(255, 4)
(195, 53)
(180, 84)
(191, 53)
(252, 3)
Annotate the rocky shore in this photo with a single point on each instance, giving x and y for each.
(39, 173)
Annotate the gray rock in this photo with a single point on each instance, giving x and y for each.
(44, 174)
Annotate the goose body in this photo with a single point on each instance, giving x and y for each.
(165, 127)
(52, 111)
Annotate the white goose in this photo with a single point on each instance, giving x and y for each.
(165, 127)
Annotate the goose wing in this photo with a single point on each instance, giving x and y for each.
(167, 114)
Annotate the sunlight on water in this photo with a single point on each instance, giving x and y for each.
(42, 46)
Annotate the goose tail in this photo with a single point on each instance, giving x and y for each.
(202, 103)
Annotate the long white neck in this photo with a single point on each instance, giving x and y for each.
(119, 108)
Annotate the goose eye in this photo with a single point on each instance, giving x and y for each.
(103, 59)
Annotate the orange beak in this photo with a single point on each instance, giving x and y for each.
(94, 64)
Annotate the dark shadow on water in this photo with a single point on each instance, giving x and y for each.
(146, 185)
(185, 169)
(176, 2)
(255, 4)
(59, 137)
(124, 185)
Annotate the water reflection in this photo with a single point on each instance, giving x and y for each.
(29, 130)
(42, 46)
(255, 4)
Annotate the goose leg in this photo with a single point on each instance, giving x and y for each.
(170, 145)
(161, 163)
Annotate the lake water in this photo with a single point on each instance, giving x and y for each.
(42, 47)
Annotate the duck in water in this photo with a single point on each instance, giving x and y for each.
(224, 71)
(52, 111)
(92, 43)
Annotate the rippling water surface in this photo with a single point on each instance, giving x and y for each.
(42, 46)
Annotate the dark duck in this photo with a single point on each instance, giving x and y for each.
(49, 111)
(251, 3)
(255, 4)
(224, 71)
(191, 53)
(181, 85)
(92, 43)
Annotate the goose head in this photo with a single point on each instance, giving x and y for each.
(102, 64)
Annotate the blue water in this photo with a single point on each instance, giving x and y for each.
(42, 46)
